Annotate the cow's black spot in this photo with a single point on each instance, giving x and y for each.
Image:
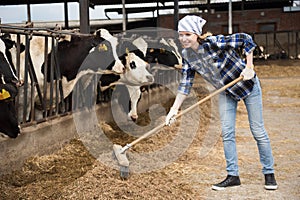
(132, 65)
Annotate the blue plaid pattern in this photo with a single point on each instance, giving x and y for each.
(218, 62)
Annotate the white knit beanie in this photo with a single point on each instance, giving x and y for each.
(191, 23)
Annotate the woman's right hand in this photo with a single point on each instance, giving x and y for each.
(170, 118)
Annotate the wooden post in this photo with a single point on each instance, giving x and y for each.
(28, 13)
(230, 17)
(84, 16)
(176, 14)
(124, 16)
(66, 14)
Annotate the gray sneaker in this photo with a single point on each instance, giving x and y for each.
(270, 182)
(228, 182)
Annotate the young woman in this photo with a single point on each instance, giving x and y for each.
(216, 60)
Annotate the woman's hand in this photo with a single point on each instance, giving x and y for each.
(248, 73)
(174, 109)
(170, 118)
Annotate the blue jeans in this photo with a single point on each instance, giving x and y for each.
(227, 109)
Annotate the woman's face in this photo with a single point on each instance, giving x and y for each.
(188, 40)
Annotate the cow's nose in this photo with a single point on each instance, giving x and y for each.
(122, 70)
(119, 67)
(150, 78)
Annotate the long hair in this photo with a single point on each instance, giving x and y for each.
(202, 37)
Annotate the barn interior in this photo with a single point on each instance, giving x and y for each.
(124, 9)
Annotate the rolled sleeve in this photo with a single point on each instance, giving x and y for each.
(249, 44)
(236, 40)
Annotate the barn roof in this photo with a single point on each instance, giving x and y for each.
(119, 2)
(92, 2)
(221, 6)
(201, 5)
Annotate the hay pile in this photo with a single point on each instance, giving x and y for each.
(73, 173)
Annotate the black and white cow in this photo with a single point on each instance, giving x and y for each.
(162, 55)
(8, 91)
(127, 69)
(101, 61)
(71, 52)
(159, 53)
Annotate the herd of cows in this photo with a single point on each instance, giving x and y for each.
(60, 67)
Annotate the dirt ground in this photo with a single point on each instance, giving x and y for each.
(73, 173)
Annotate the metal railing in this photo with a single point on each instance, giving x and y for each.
(279, 44)
(40, 100)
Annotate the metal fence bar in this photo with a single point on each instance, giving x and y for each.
(279, 44)
(44, 102)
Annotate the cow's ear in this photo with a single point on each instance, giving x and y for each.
(9, 43)
(97, 33)
(123, 59)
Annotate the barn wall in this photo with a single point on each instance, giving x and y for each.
(247, 20)
(285, 38)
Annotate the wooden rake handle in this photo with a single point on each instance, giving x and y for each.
(186, 110)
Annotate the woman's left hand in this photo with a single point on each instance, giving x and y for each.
(247, 73)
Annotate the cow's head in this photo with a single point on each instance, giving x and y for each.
(118, 67)
(136, 71)
(8, 71)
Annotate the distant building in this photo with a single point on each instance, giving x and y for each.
(274, 24)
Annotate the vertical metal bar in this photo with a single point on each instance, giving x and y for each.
(18, 55)
(34, 85)
(297, 39)
(28, 12)
(18, 72)
(51, 93)
(57, 77)
(59, 88)
(176, 14)
(32, 92)
(27, 47)
(267, 43)
(124, 16)
(208, 6)
(157, 14)
(230, 17)
(288, 53)
(84, 16)
(66, 14)
(44, 103)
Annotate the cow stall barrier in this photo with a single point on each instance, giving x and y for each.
(34, 88)
(41, 100)
(277, 45)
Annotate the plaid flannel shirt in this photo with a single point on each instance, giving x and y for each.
(218, 62)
